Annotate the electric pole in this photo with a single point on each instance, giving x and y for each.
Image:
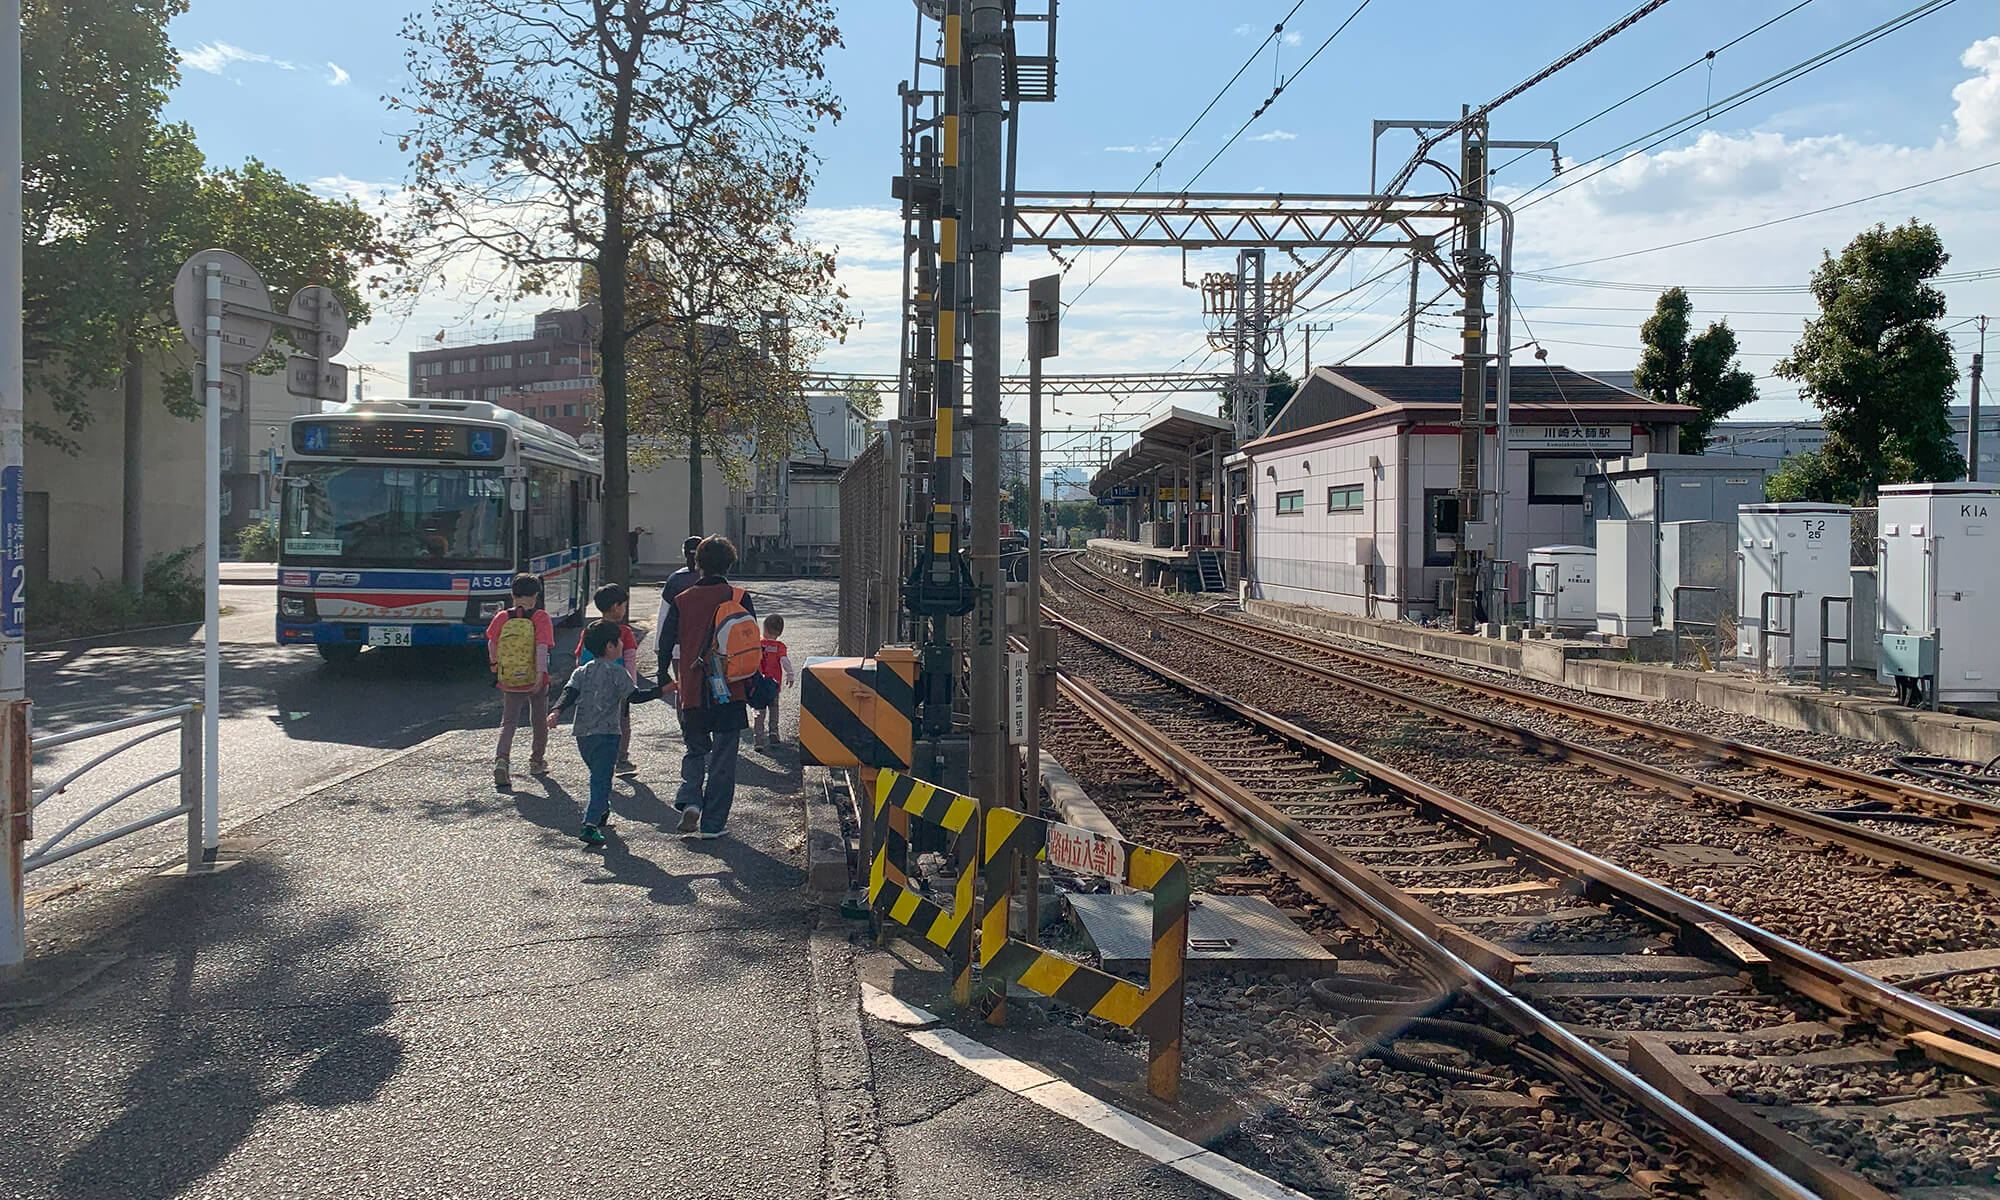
(1972, 414)
(984, 45)
(1472, 360)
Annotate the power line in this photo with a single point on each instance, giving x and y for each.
(1614, 30)
(1664, 79)
(1736, 100)
(1775, 221)
(1749, 290)
(1277, 31)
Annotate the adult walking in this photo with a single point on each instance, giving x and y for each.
(712, 727)
(683, 578)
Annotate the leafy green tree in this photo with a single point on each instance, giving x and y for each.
(1701, 371)
(1878, 367)
(864, 396)
(1279, 389)
(114, 202)
(556, 138)
(1812, 476)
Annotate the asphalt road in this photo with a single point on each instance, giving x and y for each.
(289, 720)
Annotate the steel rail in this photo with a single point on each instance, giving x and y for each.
(1310, 858)
(1832, 984)
(1829, 775)
(1933, 862)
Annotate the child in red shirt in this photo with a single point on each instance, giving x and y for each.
(532, 696)
(777, 665)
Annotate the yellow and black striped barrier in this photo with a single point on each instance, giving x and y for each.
(858, 712)
(900, 799)
(1154, 1009)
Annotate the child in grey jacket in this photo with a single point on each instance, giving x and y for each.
(598, 691)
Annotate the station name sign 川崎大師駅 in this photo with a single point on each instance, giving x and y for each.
(1560, 437)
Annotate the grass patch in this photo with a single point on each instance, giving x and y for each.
(173, 595)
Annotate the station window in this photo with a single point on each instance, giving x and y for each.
(1557, 478)
(499, 362)
(569, 410)
(534, 358)
(1440, 526)
(460, 366)
(1290, 504)
(1345, 498)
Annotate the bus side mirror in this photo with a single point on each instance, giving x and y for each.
(517, 496)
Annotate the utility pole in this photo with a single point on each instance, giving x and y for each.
(1044, 341)
(15, 803)
(1472, 359)
(1972, 414)
(984, 45)
(1410, 335)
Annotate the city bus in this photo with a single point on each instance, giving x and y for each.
(403, 523)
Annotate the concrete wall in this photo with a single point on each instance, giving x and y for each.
(660, 507)
(84, 492)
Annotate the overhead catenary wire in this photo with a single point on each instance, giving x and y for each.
(1911, 187)
(1669, 77)
(1664, 133)
(1774, 289)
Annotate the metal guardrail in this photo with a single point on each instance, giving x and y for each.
(1714, 627)
(1827, 642)
(1765, 633)
(184, 717)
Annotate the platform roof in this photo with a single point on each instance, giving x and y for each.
(1165, 441)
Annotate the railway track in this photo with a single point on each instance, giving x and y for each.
(1794, 1073)
(1711, 839)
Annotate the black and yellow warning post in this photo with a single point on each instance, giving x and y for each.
(1011, 838)
(899, 800)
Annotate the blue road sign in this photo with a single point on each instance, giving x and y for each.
(13, 555)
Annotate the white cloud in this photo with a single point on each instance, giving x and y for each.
(1276, 135)
(215, 57)
(339, 76)
(1121, 149)
(1244, 30)
(1978, 112)
(1293, 39)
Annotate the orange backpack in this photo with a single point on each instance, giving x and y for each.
(735, 643)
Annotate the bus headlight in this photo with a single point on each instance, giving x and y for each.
(488, 609)
(293, 607)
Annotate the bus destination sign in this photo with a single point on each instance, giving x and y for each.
(397, 439)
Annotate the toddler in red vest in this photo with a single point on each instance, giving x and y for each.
(778, 666)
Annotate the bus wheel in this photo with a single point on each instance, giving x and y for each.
(339, 654)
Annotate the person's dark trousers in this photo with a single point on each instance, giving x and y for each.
(708, 769)
(600, 754)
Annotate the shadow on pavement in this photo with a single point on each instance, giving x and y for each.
(212, 1018)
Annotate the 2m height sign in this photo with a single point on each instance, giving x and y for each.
(13, 556)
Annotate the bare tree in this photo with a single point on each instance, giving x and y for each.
(553, 140)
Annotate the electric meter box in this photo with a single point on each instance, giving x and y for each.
(1628, 571)
(1564, 579)
(1941, 577)
(1786, 548)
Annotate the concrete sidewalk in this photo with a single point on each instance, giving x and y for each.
(411, 985)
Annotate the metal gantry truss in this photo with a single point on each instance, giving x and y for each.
(1113, 384)
(1226, 220)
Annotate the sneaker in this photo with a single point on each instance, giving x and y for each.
(605, 824)
(707, 835)
(591, 835)
(758, 744)
(690, 820)
(502, 781)
(539, 766)
(627, 769)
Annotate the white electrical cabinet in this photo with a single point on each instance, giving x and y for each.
(1564, 580)
(1797, 554)
(1627, 572)
(1940, 576)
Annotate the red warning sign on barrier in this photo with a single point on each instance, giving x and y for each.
(1085, 853)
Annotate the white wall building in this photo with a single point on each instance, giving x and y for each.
(1340, 505)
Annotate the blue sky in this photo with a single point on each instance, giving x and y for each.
(302, 91)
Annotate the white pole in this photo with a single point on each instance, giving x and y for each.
(14, 773)
(211, 686)
(1502, 395)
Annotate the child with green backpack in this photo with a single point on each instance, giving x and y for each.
(518, 641)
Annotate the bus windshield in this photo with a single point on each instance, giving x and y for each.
(387, 516)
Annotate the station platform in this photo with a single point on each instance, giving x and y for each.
(1155, 566)
(406, 983)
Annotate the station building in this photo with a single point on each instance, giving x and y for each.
(1348, 502)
